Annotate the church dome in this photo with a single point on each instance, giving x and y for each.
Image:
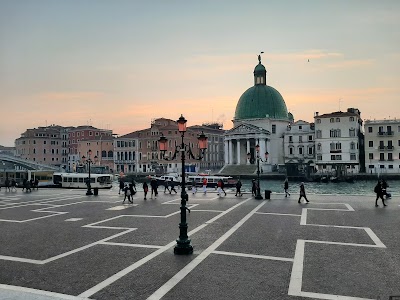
(261, 100)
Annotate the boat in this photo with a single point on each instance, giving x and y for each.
(324, 179)
(78, 180)
(174, 179)
(212, 180)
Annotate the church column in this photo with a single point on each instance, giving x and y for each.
(248, 151)
(226, 158)
(230, 152)
(238, 152)
(262, 149)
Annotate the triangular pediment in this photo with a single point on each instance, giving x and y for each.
(245, 128)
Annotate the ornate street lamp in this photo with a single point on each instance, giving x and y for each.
(258, 193)
(88, 183)
(183, 245)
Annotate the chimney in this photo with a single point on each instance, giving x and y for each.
(316, 114)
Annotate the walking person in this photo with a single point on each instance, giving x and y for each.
(127, 194)
(384, 189)
(36, 184)
(7, 183)
(13, 185)
(205, 185)
(24, 184)
(286, 187)
(171, 187)
(121, 186)
(253, 187)
(132, 190)
(379, 193)
(223, 186)
(219, 187)
(166, 186)
(238, 187)
(145, 189)
(303, 193)
(154, 186)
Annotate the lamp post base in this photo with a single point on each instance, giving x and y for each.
(89, 192)
(183, 247)
(258, 195)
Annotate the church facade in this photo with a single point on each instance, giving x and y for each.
(261, 119)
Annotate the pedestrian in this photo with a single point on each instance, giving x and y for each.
(219, 187)
(384, 189)
(132, 190)
(13, 185)
(32, 183)
(223, 186)
(145, 189)
(379, 193)
(7, 183)
(127, 194)
(121, 186)
(171, 187)
(303, 192)
(28, 186)
(238, 187)
(154, 186)
(166, 186)
(205, 185)
(253, 187)
(24, 183)
(36, 184)
(286, 187)
(194, 187)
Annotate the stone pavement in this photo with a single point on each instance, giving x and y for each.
(62, 244)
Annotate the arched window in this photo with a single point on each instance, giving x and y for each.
(110, 153)
(104, 153)
(319, 147)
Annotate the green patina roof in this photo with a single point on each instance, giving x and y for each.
(261, 101)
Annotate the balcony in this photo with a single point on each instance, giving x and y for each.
(386, 148)
(336, 151)
(385, 133)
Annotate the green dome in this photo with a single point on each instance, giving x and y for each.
(259, 68)
(261, 101)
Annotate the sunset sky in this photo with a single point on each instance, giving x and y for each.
(120, 64)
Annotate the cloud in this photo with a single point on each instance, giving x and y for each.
(71, 96)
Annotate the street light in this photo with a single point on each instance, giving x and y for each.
(88, 162)
(183, 245)
(258, 194)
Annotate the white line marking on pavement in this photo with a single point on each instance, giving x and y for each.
(121, 207)
(253, 256)
(277, 214)
(73, 219)
(131, 245)
(208, 210)
(164, 289)
(31, 291)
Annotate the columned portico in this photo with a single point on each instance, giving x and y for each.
(230, 160)
(238, 152)
(247, 151)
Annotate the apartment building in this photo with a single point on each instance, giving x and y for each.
(299, 148)
(382, 146)
(339, 142)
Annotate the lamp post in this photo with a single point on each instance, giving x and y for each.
(258, 194)
(183, 245)
(88, 162)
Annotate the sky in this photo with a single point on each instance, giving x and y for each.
(119, 64)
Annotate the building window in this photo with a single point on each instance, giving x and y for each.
(370, 155)
(371, 166)
(351, 119)
(390, 156)
(319, 147)
(352, 156)
(319, 134)
(337, 120)
(310, 138)
(291, 139)
(291, 150)
(273, 128)
(319, 121)
(301, 150)
(381, 156)
(390, 166)
(332, 157)
(300, 127)
(370, 143)
(352, 146)
(352, 132)
(310, 150)
(300, 139)
(319, 157)
(332, 120)
(369, 129)
(78, 134)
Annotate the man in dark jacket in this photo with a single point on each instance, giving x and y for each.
(379, 193)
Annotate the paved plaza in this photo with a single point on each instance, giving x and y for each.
(62, 244)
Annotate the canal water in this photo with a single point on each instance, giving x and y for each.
(360, 187)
